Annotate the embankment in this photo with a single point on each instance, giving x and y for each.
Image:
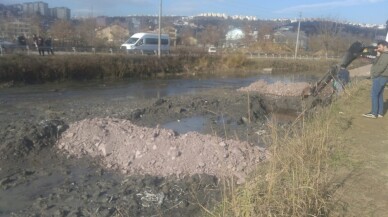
(30, 69)
(333, 164)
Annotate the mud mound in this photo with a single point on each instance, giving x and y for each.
(278, 88)
(159, 152)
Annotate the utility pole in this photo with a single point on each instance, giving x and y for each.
(297, 36)
(160, 28)
(386, 27)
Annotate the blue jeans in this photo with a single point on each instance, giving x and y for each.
(377, 95)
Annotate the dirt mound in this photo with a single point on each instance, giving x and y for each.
(160, 152)
(278, 88)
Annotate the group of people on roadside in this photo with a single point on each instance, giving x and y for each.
(43, 45)
(39, 43)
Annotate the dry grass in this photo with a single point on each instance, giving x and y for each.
(37, 69)
(297, 180)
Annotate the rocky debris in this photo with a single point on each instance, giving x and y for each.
(278, 88)
(159, 152)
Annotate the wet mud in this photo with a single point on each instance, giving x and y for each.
(37, 180)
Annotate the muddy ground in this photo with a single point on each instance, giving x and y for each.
(37, 180)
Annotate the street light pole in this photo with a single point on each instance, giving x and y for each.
(297, 37)
(160, 28)
(386, 27)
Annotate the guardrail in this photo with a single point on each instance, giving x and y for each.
(106, 50)
(32, 50)
(287, 56)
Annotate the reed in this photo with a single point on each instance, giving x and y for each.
(298, 178)
(37, 69)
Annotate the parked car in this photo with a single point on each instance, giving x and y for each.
(7, 44)
(212, 50)
(147, 43)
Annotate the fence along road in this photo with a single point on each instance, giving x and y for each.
(92, 50)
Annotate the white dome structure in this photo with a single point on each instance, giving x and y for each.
(235, 34)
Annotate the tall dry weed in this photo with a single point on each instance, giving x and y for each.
(297, 179)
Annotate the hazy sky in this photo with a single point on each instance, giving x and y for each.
(362, 11)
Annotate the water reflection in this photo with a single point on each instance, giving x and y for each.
(187, 125)
(140, 89)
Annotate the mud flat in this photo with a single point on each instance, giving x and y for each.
(66, 157)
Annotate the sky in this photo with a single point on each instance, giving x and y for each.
(359, 11)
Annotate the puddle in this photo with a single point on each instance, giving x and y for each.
(186, 125)
(197, 123)
(222, 120)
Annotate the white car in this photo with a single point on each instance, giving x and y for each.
(147, 43)
(212, 50)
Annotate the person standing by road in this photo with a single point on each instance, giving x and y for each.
(39, 43)
(49, 45)
(379, 75)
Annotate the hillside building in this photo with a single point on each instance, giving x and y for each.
(61, 13)
(41, 8)
(33, 8)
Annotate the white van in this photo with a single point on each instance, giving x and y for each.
(147, 43)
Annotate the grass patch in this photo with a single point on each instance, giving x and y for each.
(299, 177)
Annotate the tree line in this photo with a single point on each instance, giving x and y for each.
(324, 37)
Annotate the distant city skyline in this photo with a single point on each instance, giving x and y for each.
(360, 11)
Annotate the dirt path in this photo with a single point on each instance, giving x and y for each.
(363, 71)
(365, 189)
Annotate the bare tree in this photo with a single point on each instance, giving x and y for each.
(264, 37)
(212, 35)
(249, 39)
(185, 36)
(36, 24)
(86, 32)
(4, 28)
(119, 34)
(265, 33)
(327, 34)
(63, 31)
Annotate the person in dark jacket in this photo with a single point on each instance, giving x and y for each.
(379, 75)
(49, 46)
(22, 40)
(39, 44)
